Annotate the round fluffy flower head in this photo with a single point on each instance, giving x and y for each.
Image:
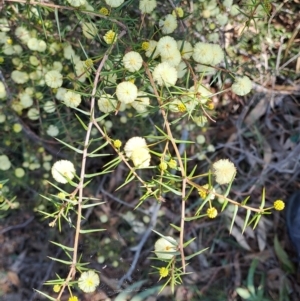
(2, 90)
(73, 298)
(134, 143)
(89, 30)
(63, 170)
(209, 54)
(107, 103)
(52, 130)
(173, 59)
(141, 103)
(168, 24)
(163, 166)
(224, 171)
(145, 45)
(33, 114)
(56, 288)
(165, 75)
(151, 50)
(185, 48)
(114, 3)
(163, 272)
(147, 6)
(53, 79)
(165, 245)
(204, 191)
(242, 86)
(166, 45)
(88, 281)
(117, 143)
(104, 11)
(4, 163)
(72, 99)
(141, 157)
(126, 92)
(132, 61)
(279, 205)
(212, 212)
(218, 54)
(19, 77)
(76, 3)
(178, 12)
(110, 37)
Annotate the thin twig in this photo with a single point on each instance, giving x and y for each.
(182, 170)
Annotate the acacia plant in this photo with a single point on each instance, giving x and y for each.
(121, 82)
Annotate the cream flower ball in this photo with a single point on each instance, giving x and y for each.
(33, 114)
(166, 45)
(72, 99)
(141, 103)
(185, 48)
(141, 157)
(164, 74)
(152, 50)
(107, 103)
(168, 24)
(25, 100)
(134, 143)
(126, 92)
(132, 61)
(76, 3)
(52, 130)
(53, 79)
(209, 54)
(163, 246)
(4, 163)
(49, 106)
(147, 6)
(224, 171)
(2, 91)
(19, 77)
(242, 86)
(114, 3)
(88, 281)
(173, 59)
(61, 170)
(89, 30)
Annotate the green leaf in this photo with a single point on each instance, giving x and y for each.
(57, 22)
(283, 256)
(45, 295)
(102, 117)
(246, 219)
(62, 261)
(92, 205)
(70, 146)
(263, 199)
(168, 187)
(62, 246)
(196, 254)
(176, 227)
(81, 122)
(91, 231)
(188, 242)
(236, 207)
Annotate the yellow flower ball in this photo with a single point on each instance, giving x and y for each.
(279, 205)
(117, 143)
(212, 212)
(163, 166)
(163, 272)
